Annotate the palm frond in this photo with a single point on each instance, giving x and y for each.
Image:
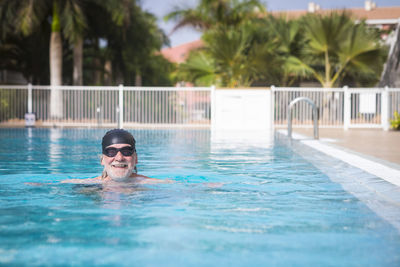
(199, 69)
(211, 13)
(73, 20)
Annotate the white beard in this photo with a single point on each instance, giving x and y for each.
(119, 175)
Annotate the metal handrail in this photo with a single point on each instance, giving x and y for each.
(315, 115)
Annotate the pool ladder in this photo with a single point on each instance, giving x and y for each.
(315, 115)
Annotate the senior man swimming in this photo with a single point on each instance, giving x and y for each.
(119, 159)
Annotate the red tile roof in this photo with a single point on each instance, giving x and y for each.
(178, 54)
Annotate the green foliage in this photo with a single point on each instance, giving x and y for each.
(27, 54)
(240, 56)
(337, 46)
(133, 46)
(199, 69)
(158, 71)
(216, 13)
(395, 123)
(113, 31)
(228, 59)
(9, 98)
(245, 47)
(228, 48)
(55, 24)
(283, 44)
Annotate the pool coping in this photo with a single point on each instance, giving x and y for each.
(357, 174)
(380, 169)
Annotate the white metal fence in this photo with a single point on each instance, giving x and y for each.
(106, 106)
(92, 106)
(329, 103)
(338, 107)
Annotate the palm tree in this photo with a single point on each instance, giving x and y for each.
(199, 69)
(214, 13)
(24, 54)
(66, 15)
(226, 59)
(289, 44)
(229, 58)
(337, 47)
(340, 45)
(68, 18)
(134, 45)
(29, 14)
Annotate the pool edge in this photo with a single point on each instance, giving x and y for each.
(355, 159)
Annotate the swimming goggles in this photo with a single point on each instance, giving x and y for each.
(113, 151)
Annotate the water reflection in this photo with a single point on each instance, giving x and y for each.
(55, 151)
(119, 203)
(244, 146)
(112, 196)
(29, 144)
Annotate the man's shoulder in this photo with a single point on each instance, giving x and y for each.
(147, 180)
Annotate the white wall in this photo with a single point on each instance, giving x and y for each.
(242, 109)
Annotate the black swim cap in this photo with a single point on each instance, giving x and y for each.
(117, 136)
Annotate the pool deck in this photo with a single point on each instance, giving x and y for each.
(375, 144)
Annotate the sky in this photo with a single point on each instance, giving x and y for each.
(162, 7)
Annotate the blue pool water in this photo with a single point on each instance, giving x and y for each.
(231, 204)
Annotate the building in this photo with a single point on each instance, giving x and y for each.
(178, 54)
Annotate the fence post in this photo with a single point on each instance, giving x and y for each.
(121, 106)
(29, 98)
(212, 100)
(29, 116)
(346, 108)
(272, 107)
(385, 109)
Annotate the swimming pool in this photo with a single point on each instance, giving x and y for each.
(232, 203)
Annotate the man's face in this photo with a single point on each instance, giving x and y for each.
(119, 167)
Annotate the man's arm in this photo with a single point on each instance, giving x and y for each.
(95, 180)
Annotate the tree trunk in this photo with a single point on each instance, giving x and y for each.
(391, 71)
(108, 73)
(119, 78)
(138, 79)
(56, 104)
(78, 55)
(97, 71)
